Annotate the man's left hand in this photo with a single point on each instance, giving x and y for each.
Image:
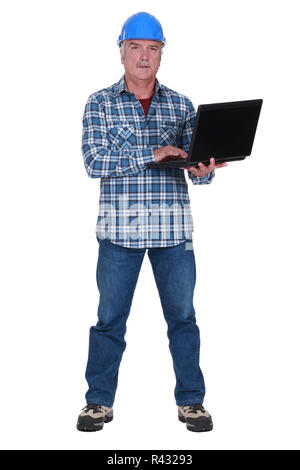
(203, 170)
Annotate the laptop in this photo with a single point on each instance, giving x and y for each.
(224, 131)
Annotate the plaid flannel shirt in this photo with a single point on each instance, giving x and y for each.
(139, 206)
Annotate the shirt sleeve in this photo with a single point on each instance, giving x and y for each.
(187, 133)
(99, 159)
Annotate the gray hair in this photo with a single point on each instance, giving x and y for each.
(122, 49)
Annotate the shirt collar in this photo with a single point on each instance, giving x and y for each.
(121, 86)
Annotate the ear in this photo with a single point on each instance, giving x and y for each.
(122, 60)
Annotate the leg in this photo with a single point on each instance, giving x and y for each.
(174, 270)
(117, 274)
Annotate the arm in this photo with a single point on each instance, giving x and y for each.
(99, 160)
(187, 132)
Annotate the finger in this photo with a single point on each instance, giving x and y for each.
(194, 171)
(220, 165)
(210, 167)
(203, 168)
(212, 164)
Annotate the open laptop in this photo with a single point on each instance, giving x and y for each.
(224, 131)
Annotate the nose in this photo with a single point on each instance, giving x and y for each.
(144, 54)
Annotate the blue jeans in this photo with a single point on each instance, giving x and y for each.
(117, 274)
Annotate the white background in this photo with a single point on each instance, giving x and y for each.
(246, 238)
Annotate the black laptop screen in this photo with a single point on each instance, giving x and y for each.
(227, 130)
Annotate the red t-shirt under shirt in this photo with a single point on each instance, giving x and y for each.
(146, 104)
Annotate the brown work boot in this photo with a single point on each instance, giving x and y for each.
(93, 417)
(195, 416)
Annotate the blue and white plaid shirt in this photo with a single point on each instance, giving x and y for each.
(139, 206)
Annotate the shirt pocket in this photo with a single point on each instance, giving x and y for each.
(121, 136)
(168, 134)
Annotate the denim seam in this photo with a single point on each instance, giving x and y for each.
(189, 403)
(100, 403)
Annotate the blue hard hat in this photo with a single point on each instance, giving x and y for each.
(142, 26)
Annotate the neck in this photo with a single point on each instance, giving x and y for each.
(142, 89)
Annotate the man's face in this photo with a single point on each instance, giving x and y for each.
(142, 59)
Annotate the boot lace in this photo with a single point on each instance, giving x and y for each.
(93, 406)
(197, 406)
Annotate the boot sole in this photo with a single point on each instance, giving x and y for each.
(89, 426)
(199, 425)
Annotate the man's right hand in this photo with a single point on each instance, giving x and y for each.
(169, 153)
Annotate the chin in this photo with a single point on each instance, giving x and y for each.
(145, 73)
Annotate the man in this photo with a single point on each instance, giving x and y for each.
(125, 127)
